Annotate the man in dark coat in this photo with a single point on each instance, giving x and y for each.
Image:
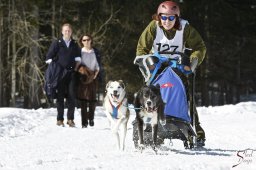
(66, 53)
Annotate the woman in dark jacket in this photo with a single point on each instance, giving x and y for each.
(87, 84)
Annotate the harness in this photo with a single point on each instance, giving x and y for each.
(115, 109)
(146, 118)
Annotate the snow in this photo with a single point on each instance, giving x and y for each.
(30, 140)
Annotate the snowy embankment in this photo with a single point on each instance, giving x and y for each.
(30, 139)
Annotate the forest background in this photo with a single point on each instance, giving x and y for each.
(27, 27)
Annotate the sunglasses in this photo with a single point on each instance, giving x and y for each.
(171, 18)
(86, 40)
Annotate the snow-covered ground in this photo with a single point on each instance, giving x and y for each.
(30, 140)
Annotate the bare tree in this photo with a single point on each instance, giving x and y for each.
(14, 54)
(1, 46)
(24, 57)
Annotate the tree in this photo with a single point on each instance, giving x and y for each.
(27, 28)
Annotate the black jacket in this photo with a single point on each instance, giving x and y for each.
(62, 54)
(53, 74)
(63, 60)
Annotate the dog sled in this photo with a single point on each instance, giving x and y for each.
(179, 114)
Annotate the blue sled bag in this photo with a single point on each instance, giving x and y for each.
(173, 94)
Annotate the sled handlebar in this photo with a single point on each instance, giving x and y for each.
(150, 64)
(177, 57)
(170, 55)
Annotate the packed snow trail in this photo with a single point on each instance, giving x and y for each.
(30, 139)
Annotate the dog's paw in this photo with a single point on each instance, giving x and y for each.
(155, 147)
(144, 127)
(163, 122)
(141, 147)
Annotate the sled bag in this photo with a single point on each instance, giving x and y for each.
(173, 94)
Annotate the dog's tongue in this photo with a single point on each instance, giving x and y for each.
(115, 97)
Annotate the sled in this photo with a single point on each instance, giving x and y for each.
(179, 122)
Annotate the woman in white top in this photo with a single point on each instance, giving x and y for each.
(88, 72)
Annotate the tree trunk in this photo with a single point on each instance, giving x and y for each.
(34, 83)
(7, 84)
(14, 57)
(13, 72)
(53, 19)
(204, 69)
(1, 62)
(238, 80)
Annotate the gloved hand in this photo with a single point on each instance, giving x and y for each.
(184, 69)
(48, 61)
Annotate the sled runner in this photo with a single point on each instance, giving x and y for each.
(160, 69)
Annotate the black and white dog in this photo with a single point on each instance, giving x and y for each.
(116, 110)
(152, 110)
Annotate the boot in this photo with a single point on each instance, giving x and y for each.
(85, 124)
(60, 123)
(71, 123)
(91, 122)
(200, 142)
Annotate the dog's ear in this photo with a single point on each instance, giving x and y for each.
(121, 83)
(157, 86)
(109, 82)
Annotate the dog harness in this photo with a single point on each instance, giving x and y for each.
(115, 109)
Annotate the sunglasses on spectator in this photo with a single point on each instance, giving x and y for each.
(86, 40)
(164, 18)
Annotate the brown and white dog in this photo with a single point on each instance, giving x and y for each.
(117, 112)
(152, 111)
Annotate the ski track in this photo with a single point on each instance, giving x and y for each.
(30, 139)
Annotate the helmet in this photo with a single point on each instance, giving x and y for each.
(168, 7)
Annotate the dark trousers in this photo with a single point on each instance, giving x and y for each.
(87, 114)
(66, 90)
(199, 130)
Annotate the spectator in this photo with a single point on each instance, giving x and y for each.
(66, 53)
(88, 82)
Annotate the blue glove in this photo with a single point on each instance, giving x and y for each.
(181, 68)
